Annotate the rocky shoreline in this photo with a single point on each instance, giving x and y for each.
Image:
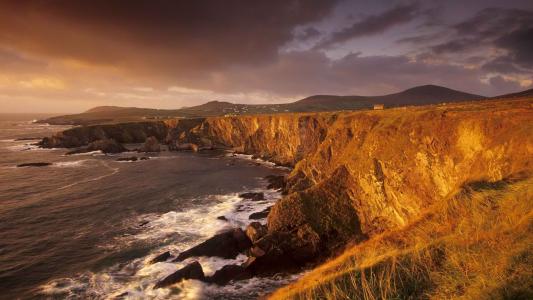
(347, 183)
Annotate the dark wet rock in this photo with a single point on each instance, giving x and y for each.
(132, 158)
(226, 245)
(104, 145)
(260, 215)
(161, 257)
(151, 144)
(143, 223)
(253, 196)
(229, 273)
(191, 271)
(255, 231)
(35, 164)
(223, 218)
(144, 158)
(276, 182)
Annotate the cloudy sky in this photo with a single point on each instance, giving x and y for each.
(70, 55)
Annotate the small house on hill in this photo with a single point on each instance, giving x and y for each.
(379, 106)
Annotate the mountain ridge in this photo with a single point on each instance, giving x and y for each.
(419, 95)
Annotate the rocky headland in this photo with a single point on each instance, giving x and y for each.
(355, 175)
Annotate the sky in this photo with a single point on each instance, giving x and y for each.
(66, 56)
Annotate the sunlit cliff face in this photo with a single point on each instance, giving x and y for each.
(68, 56)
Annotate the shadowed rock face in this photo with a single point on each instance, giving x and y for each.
(357, 174)
(122, 133)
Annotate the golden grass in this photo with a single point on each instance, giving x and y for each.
(478, 244)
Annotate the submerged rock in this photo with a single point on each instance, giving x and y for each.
(35, 164)
(226, 245)
(191, 271)
(253, 196)
(151, 145)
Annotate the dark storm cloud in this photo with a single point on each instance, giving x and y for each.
(508, 30)
(519, 44)
(143, 35)
(373, 24)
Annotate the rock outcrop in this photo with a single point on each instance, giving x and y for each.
(121, 133)
(104, 145)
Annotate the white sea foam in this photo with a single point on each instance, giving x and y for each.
(92, 153)
(104, 164)
(69, 164)
(256, 160)
(136, 279)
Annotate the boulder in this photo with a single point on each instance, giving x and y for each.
(161, 257)
(255, 231)
(35, 164)
(229, 273)
(151, 144)
(191, 271)
(260, 215)
(253, 196)
(226, 245)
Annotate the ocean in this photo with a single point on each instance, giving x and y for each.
(87, 226)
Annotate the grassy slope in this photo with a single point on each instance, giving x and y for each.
(478, 244)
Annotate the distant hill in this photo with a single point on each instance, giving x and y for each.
(421, 95)
(526, 93)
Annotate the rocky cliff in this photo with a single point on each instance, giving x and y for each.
(357, 174)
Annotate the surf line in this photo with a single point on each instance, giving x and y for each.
(105, 164)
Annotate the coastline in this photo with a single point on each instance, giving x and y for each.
(347, 185)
